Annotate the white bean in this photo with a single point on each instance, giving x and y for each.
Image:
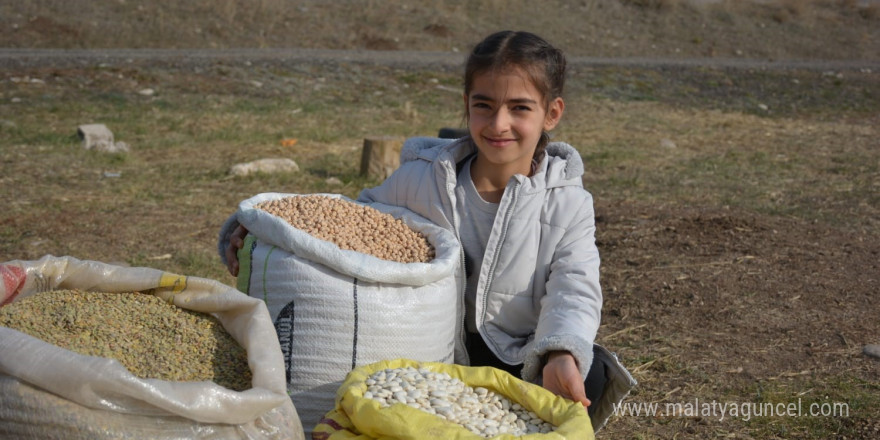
(479, 409)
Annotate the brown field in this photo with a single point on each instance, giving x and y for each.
(737, 194)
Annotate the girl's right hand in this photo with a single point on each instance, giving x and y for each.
(236, 242)
(561, 376)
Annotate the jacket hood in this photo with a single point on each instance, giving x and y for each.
(562, 162)
(574, 165)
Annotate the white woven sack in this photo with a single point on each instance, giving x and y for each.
(335, 310)
(49, 392)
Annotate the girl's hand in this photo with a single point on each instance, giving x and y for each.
(562, 377)
(236, 241)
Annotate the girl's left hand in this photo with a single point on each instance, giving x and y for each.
(562, 377)
(236, 242)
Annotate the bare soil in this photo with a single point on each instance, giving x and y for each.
(733, 300)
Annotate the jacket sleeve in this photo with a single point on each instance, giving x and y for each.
(389, 192)
(409, 185)
(571, 308)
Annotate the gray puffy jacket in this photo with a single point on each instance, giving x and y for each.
(539, 284)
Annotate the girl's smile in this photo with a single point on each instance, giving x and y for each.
(506, 118)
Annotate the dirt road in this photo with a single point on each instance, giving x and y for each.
(25, 58)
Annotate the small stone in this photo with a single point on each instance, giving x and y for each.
(116, 147)
(267, 166)
(667, 143)
(146, 92)
(93, 135)
(872, 350)
(99, 138)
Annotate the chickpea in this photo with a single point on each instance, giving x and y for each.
(352, 226)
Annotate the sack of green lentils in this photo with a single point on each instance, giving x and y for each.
(47, 391)
(347, 284)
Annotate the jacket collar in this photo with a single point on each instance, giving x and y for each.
(562, 164)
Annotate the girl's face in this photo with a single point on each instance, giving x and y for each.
(506, 116)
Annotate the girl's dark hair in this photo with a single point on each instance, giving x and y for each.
(543, 63)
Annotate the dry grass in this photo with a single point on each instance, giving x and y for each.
(676, 28)
(662, 5)
(726, 151)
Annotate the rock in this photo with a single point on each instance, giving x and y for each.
(872, 350)
(147, 92)
(117, 147)
(99, 138)
(333, 181)
(268, 166)
(667, 143)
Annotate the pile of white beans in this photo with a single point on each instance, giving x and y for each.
(480, 410)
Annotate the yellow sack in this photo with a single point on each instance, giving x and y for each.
(336, 426)
(358, 418)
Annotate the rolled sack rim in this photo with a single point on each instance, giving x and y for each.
(275, 231)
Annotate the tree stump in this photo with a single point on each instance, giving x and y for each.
(380, 156)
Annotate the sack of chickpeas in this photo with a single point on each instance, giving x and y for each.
(347, 284)
(90, 350)
(406, 399)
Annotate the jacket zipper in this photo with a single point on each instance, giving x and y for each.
(462, 334)
(505, 226)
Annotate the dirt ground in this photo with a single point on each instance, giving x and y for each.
(701, 301)
(738, 300)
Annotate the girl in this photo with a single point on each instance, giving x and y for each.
(526, 224)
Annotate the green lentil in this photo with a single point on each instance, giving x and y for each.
(150, 337)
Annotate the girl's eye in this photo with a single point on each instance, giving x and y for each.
(480, 105)
(522, 108)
